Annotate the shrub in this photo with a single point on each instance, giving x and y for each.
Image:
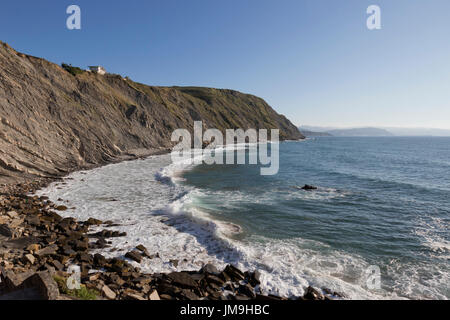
(72, 70)
(83, 293)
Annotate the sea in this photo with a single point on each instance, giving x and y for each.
(377, 227)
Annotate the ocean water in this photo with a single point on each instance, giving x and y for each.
(380, 202)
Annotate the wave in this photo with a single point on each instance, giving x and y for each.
(165, 215)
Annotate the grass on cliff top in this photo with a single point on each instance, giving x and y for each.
(72, 70)
(83, 293)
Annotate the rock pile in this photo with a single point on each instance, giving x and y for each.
(38, 247)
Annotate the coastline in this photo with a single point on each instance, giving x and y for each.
(38, 221)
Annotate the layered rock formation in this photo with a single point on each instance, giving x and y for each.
(53, 122)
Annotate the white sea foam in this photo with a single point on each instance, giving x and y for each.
(155, 210)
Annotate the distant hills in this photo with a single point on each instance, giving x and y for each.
(315, 131)
(307, 133)
(360, 132)
(353, 132)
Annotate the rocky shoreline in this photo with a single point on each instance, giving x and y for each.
(38, 246)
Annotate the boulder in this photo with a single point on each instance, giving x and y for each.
(247, 290)
(29, 258)
(210, 269)
(44, 283)
(234, 273)
(33, 248)
(99, 260)
(189, 295)
(132, 295)
(134, 255)
(93, 222)
(154, 295)
(12, 281)
(6, 231)
(85, 257)
(313, 294)
(33, 221)
(215, 280)
(50, 250)
(12, 214)
(58, 265)
(183, 279)
(108, 293)
(255, 278)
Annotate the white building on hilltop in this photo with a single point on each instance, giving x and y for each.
(98, 69)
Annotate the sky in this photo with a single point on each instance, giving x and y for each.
(314, 61)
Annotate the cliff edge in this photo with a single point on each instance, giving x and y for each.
(53, 122)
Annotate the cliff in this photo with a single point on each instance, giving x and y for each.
(53, 122)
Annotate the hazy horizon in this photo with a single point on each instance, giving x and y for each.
(331, 127)
(396, 131)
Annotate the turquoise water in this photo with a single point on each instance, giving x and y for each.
(381, 201)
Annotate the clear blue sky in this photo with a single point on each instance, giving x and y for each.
(314, 61)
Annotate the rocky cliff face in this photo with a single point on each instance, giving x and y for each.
(52, 122)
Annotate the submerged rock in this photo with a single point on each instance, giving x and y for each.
(308, 187)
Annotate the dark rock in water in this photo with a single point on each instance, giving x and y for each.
(267, 298)
(101, 243)
(308, 187)
(182, 279)
(313, 294)
(333, 293)
(109, 234)
(61, 208)
(234, 273)
(247, 290)
(143, 250)
(134, 255)
(255, 278)
(93, 222)
(174, 262)
(210, 269)
(119, 265)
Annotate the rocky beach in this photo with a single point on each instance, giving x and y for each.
(38, 246)
(56, 120)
